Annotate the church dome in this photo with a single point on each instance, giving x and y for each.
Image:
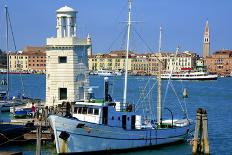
(65, 9)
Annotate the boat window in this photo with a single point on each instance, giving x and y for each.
(112, 117)
(90, 111)
(96, 111)
(79, 110)
(128, 118)
(84, 110)
(119, 118)
(75, 110)
(62, 59)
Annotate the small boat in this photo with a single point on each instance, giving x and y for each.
(103, 72)
(21, 113)
(190, 75)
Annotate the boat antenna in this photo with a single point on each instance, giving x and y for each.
(159, 106)
(127, 52)
(7, 51)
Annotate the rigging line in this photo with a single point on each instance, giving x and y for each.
(12, 33)
(185, 104)
(145, 87)
(177, 97)
(123, 43)
(119, 35)
(169, 79)
(140, 37)
(13, 139)
(147, 93)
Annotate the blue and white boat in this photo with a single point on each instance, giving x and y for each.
(109, 126)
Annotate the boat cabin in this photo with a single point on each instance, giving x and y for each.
(107, 114)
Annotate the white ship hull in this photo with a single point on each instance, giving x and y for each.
(191, 76)
(94, 137)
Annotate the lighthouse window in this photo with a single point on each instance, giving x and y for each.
(62, 59)
(63, 93)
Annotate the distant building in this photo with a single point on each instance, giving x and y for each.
(140, 64)
(32, 59)
(115, 60)
(3, 60)
(181, 61)
(143, 64)
(220, 62)
(206, 42)
(36, 59)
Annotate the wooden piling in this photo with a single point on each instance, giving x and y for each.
(200, 143)
(38, 141)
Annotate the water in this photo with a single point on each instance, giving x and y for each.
(214, 96)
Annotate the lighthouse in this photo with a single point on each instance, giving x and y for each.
(66, 61)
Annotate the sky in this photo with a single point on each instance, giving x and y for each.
(183, 23)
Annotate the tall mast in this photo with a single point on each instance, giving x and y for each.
(7, 50)
(127, 52)
(159, 107)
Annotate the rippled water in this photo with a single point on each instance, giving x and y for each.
(214, 96)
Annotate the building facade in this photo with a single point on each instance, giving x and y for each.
(114, 61)
(220, 62)
(181, 61)
(31, 59)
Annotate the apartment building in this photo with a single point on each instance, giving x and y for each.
(220, 62)
(115, 60)
(31, 59)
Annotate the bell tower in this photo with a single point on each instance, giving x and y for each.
(206, 42)
(66, 61)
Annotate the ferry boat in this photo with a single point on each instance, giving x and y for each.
(190, 75)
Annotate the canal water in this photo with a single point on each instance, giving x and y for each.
(214, 96)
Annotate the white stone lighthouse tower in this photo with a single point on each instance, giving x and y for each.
(66, 61)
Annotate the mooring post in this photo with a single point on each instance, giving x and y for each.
(196, 134)
(200, 141)
(205, 133)
(38, 140)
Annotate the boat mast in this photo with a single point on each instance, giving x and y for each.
(7, 48)
(127, 52)
(159, 107)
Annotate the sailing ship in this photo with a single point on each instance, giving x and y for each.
(99, 125)
(6, 101)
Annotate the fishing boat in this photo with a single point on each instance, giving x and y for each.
(104, 125)
(190, 75)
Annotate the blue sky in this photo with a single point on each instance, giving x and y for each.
(183, 22)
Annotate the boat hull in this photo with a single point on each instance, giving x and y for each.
(191, 78)
(94, 137)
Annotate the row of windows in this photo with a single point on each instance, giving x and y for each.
(37, 64)
(20, 57)
(37, 60)
(86, 110)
